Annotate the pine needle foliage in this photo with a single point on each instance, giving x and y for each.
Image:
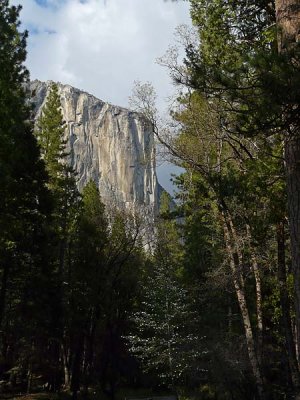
(50, 133)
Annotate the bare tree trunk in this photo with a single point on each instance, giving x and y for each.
(3, 290)
(66, 365)
(258, 289)
(229, 320)
(29, 377)
(292, 157)
(288, 24)
(76, 367)
(285, 306)
(238, 281)
(89, 355)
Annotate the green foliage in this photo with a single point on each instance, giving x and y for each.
(168, 249)
(164, 337)
(74, 281)
(238, 62)
(88, 272)
(22, 176)
(200, 230)
(50, 134)
(230, 142)
(25, 272)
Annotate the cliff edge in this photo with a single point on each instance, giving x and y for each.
(110, 145)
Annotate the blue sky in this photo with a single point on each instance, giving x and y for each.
(103, 46)
(51, 4)
(41, 2)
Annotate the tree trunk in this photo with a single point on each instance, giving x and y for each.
(238, 281)
(3, 290)
(29, 377)
(76, 367)
(66, 364)
(258, 289)
(90, 345)
(285, 306)
(29, 370)
(292, 157)
(288, 24)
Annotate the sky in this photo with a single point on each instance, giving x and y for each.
(103, 46)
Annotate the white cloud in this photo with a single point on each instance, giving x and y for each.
(102, 46)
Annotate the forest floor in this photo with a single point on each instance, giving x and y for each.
(35, 396)
(122, 394)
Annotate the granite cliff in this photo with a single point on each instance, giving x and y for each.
(107, 144)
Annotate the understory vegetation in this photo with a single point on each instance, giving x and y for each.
(210, 307)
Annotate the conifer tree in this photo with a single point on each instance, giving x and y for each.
(50, 130)
(164, 337)
(50, 136)
(24, 206)
(86, 289)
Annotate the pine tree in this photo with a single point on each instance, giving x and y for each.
(50, 130)
(50, 135)
(25, 206)
(87, 275)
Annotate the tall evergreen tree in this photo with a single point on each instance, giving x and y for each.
(50, 131)
(87, 282)
(24, 204)
(164, 334)
(50, 135)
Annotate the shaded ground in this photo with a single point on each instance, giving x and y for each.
(93, 395)
(35, 396)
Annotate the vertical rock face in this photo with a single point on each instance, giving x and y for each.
(110, 145)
